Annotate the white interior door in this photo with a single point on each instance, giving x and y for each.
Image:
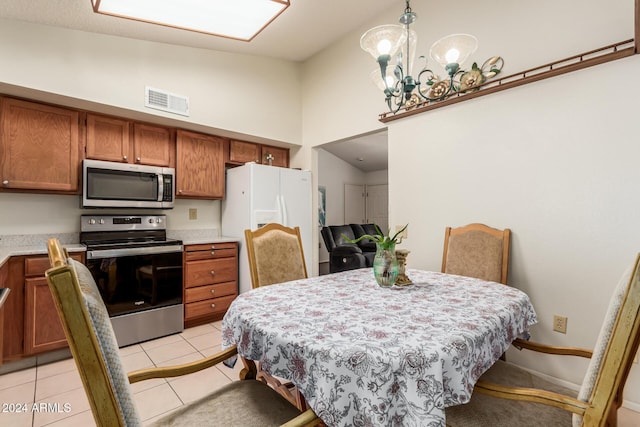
(377, 205)
(354, 205)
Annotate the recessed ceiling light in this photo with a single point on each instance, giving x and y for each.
(236, 19)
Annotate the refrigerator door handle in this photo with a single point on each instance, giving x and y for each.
(283, 210)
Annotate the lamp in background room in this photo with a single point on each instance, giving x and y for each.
(393, 46)
(236, 19)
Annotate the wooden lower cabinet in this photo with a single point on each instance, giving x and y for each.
(4, 268)
(42, 326)
(210, 281)
(31, 321)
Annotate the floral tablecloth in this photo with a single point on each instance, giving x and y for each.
(369, 356)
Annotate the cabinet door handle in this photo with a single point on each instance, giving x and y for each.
(5, 182)
(179, 191)
(124, 158)
(138, 159)
(213, 291)
(213, 306)
(213, 273)
(213, 252)
(213, 246)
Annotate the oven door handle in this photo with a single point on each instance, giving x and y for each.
(116, 253)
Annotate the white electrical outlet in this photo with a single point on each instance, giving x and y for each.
(560, 324)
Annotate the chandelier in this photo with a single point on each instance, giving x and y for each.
(393, 47)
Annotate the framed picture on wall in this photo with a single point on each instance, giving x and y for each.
(322, 206)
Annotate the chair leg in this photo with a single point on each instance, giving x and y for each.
(287, 390)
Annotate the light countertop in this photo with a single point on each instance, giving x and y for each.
(36, 244)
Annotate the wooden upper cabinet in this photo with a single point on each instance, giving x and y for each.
(108, 138)
(153, 145)
(39, 147)
(199, 166)
(118, 140)
(275, 156)
(243, 152)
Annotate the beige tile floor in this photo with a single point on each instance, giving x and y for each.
(56, 388)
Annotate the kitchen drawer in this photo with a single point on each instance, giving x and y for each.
(200, 293)
(210, 271)
(36, 266)
(210, 251)
(210, 307)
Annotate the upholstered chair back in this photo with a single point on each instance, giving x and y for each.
(275, 255)
(91, 340)
(477, 250)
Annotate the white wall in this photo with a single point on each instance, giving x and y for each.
(555, 161)
(235, 93)
(333, 174)
(377, 177)
(22, 213)
(228, 93)
(560, 170)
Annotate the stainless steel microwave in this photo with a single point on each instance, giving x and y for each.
(123, 185)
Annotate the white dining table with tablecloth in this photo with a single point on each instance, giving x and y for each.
(364, 355)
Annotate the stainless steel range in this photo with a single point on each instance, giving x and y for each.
(139, 274)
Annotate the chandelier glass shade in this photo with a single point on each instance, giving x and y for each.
(393, 47)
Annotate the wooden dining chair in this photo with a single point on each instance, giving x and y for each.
(477, 250)
(275, 256)
(94, 348)
(507, 395)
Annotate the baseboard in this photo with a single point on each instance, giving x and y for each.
(631, 405)
(554, 380)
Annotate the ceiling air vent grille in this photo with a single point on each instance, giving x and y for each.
(165, 101)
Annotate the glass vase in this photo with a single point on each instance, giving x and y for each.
(385, 265)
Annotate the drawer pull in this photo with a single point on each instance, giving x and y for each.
(213, 252)
(213, 291)
(213, 246)
(213, 306)
(213, 273)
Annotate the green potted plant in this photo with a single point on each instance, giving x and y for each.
(385, 263)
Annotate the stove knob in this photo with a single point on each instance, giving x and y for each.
(151, 221)
(92, 221)
(159, 220)
(101, 221)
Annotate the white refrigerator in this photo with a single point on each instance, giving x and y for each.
(257, 195)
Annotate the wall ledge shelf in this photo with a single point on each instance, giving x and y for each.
(599, 56)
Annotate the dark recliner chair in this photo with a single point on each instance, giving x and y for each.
(344, 255)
